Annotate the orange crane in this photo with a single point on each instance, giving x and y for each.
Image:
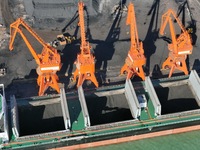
(85, 63)
(180, 46)
(48, 61)
(135, 59)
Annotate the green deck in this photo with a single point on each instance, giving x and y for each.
(76, 115)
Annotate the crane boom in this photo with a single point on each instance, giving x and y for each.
(82, 24)
(48, 61)
(14, 29)
(135, 59)
(85, 63)
(180, 46)
(16, 25)
(165, 19)
(133, 28)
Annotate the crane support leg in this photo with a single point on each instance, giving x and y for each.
(177, 62)
(93, 79)
(140, 72)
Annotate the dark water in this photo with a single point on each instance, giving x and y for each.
(183, 141)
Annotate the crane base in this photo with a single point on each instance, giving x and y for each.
(133, 71)
(84, 76)
(175, 63)
(45, 81)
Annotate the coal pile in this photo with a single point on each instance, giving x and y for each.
(108, 109)
(40, 119)
(176, 99)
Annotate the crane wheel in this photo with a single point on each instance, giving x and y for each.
(125, 72)
(166, 67)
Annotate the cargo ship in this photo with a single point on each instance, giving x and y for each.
(119, 107)
(97, 114)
